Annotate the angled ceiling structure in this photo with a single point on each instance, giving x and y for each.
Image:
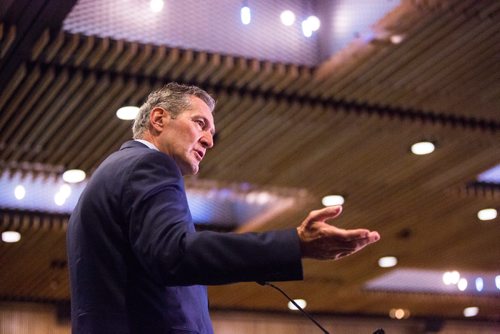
(341, 124)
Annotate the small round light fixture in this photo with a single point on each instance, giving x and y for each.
(245, 15)
(399, 313)
(59, 199)
(156, 5)
(301, 302)
(127, 113)
(471, 311)
(331, 200)
(314, 22)
(487, 214)
(287, 17)
(19, 192)
(396, 39)
(387, 261)
(422, 148)
(479, 284)
(11, 236)
(451, 277)
(462, 284)
(65, 190)
(306, 29)
(73, 176)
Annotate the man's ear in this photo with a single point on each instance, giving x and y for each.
(157, 119)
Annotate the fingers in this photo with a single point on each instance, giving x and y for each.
(357, 234)
(343, 234)
(325, 214)
(373, 236)
(350, 242)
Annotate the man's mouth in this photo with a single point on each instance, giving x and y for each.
(199, 154)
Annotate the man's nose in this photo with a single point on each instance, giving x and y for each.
(207, 140)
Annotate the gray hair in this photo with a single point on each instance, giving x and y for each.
(174, 98)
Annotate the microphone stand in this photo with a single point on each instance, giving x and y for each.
(296, 305)
(378, 331)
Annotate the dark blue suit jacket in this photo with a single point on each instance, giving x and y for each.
(135, 259)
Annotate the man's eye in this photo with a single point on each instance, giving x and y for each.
(200, 123)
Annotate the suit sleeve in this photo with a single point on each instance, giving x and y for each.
(164, 241)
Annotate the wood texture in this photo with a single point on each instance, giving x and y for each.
(345, 127)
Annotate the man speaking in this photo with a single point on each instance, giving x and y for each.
(136, 263)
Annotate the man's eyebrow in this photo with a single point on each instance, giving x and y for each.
(212, 130)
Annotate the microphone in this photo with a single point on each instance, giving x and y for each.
(378, 331)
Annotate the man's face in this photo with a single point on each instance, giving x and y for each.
(187, 137)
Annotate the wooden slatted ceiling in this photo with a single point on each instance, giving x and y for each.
(343, 127)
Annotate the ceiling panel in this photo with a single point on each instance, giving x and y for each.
(344, 126)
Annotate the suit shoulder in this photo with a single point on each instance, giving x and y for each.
(148, 159)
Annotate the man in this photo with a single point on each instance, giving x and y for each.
(136, 262)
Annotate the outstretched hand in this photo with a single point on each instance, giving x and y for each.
(322, 241)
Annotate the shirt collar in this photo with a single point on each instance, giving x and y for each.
(148, 144)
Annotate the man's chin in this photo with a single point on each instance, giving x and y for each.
(190, 169)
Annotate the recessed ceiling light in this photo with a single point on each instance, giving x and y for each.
(399, 313)
(156, 5)
(127, 113)
(387, 261)
(422, 148)
(479, 284)
(451, 277)
(487, 214)
(301, 302)
(287, 17)
(314, 22)
(73, 175)
(246, 15)
(11, 236)
(306, 29)
(462, 284)
(331, 200)
(65, 190)
(19, 192)
(471, 311)
(396, 39)
(59, 198)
